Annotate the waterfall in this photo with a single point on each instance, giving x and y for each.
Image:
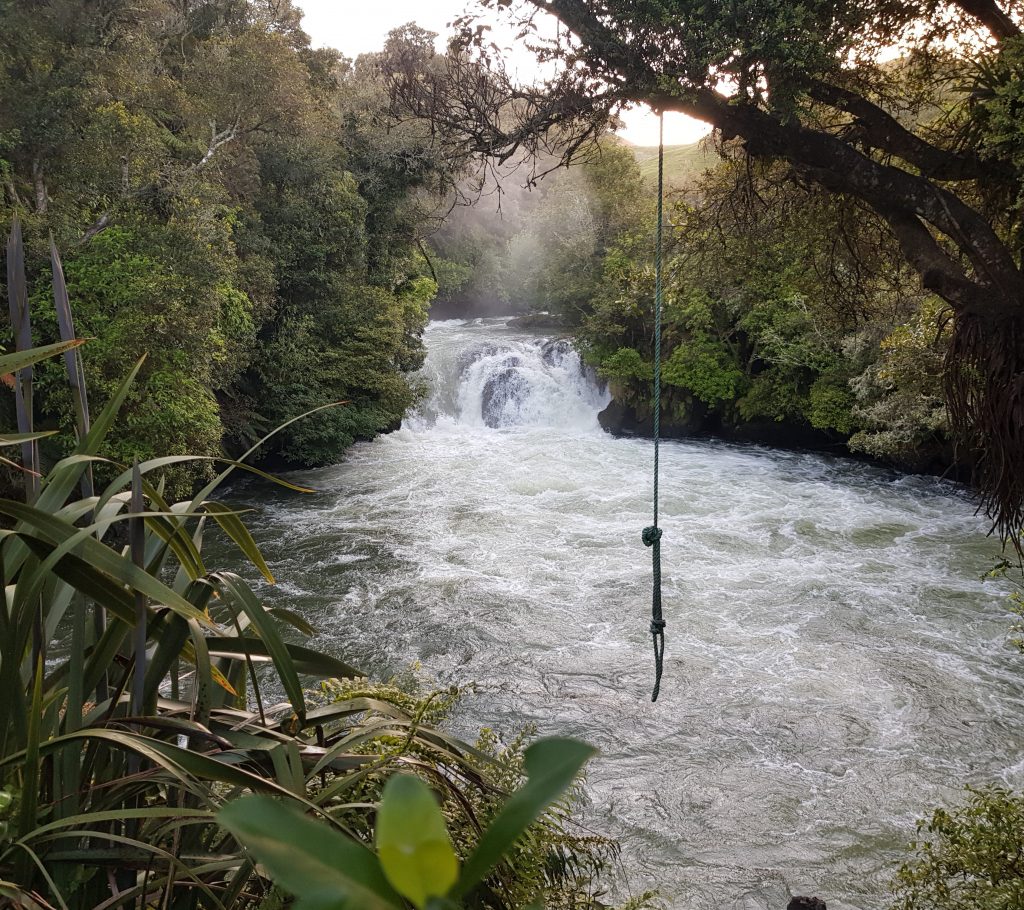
(514, 383)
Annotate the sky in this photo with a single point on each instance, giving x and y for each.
(359, 26)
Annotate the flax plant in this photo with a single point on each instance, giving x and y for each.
(135, 677)
(137, 683)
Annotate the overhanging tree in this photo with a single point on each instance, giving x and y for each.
(909, 107)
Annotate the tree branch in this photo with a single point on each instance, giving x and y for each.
(880, 130)
(939, 272)
(217, 142)
(992, 16)
(882, 186)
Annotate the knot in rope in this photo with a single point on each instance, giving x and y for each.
(651, 536)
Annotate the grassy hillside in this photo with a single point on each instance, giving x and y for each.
(683, 163)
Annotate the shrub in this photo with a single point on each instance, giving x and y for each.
(968, 858)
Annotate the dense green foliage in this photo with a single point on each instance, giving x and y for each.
(788, 314)
(553, 858)
(415, 857)
(927, 147)
(781, 307)
(967, 858)
(217, 187)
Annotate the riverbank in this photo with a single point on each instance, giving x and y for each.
(620, 419)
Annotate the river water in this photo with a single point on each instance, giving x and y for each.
(834, 664)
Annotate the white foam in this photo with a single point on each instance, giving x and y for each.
(835, 666)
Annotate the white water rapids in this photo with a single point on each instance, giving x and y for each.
(835, 666)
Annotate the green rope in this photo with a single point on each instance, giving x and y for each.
(652, 535)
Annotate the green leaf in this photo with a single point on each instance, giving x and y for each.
(295, 621)
(412, 841)
(307, 858)
(304, 660)
(242, 598)
(100, 557)
(72, 359)
(205, 492)
(230, 523)
(66, 473)
(551, 767)
(10, 363)
(16, 439)
(21, 900)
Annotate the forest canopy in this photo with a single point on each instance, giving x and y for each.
(906, 109)
(228, 200)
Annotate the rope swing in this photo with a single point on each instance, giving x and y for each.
(652, 535)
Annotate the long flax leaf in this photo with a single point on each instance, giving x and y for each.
(137, 548)
(11, 363)
(17, 439)
(31, 759)
(71, 774)
(102, 656)
(64, 475)
(29, 856)
(168, 647)
(230, 523)
(246, 602)
(205, 492)
(17, 298)
(49, 528)
(72, 358)
(75, 370)
(141, 846)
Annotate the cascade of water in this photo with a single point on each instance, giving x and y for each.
(515, 383)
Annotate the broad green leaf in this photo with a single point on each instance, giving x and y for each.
(551, 767)
(307, 858)
(412, 841)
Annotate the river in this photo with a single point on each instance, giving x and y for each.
(834, 667)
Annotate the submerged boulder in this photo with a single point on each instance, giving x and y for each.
(537, 321)
(502, 390)
(554, 352)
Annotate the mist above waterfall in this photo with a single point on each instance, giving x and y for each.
(536, 247)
